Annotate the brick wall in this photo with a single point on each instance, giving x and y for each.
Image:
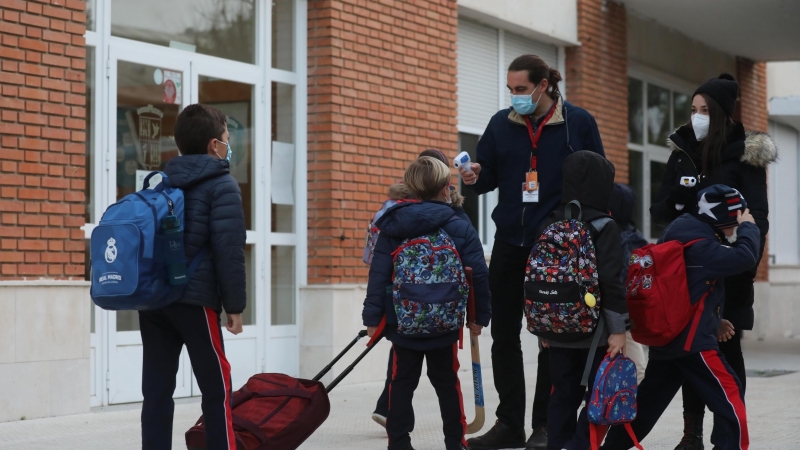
(381, 88)
(597, 75)
(752, 110)
(42, 135)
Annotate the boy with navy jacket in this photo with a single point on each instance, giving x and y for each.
(428, 180)
(214, 230)
(723, 250)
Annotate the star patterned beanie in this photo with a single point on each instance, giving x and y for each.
(717, 205)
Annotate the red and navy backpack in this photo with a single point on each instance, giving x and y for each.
(562, 295)
(613, 400)
(429, 287)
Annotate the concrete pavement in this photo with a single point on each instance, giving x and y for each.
(773, 407)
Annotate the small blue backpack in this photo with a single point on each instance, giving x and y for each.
(613, 400)
(138, 260)
(429, 288)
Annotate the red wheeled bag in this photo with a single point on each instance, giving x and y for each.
(273, 411)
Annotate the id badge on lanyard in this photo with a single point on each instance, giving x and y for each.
(530, 188)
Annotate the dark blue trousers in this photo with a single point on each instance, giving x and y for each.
(540, 400)
(443, 373)
(164, 333)
(564, 431)
(715, 382)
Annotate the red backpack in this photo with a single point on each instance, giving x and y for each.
(658, 295)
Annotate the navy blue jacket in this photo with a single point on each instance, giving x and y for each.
(707, 262)
(409, 220)
(213, 217)
(504, 153)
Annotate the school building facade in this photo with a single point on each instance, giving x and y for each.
(327, 102)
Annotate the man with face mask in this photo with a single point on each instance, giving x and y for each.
(521, 154)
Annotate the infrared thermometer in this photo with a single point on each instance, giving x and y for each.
(462, 160)
(688, 182)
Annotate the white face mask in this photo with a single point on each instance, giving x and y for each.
(700, 125)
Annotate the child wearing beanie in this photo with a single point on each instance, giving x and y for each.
(728, 243)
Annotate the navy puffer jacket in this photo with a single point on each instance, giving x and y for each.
(409, 220)
(213, 217)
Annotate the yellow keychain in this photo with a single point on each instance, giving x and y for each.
(590, 300)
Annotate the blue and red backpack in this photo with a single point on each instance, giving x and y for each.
(429, 287)
(613, 400)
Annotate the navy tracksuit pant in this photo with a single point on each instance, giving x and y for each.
(711, 377)
(164, 333)
(443, 373)
(566, 370)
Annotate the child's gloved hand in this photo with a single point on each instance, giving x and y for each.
(616, 344)
(683, 195)
(725, 331)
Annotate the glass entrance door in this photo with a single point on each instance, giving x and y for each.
(147, 92)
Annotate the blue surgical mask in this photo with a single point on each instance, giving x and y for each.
(229, 155)
(524, 104)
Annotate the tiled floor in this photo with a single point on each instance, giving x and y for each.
(773, 406)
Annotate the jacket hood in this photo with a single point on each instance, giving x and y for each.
(399, 191)
(754, 148)
(407, 220)
(189, 170)
(622, 204)
(589, 179)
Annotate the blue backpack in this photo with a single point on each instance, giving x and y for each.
(613, 400)
(429, 288)
(137, 256)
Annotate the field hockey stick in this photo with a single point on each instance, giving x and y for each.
(477, 380)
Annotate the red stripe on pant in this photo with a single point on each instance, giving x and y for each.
(394, 375)
(456, 366)
(732, 394)
(215, 333)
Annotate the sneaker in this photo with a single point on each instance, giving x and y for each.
(538, 439)
(379, 419)
(501, 436)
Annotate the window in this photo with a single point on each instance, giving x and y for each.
(223, 28)
(655, 109)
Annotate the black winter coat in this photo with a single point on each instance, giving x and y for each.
(213, 217)
(742, 166)
(409, 220)
(504, 153)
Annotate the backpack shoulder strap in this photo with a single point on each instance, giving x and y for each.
(592, 350)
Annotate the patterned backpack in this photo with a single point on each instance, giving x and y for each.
(429, 289)
(613, 400)
(562, 296)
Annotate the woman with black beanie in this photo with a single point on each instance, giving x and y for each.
(714, 149)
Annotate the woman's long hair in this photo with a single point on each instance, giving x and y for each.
(715, 142)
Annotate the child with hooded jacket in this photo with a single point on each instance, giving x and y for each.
(588, 178)
(728, 243)
(428, 180)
